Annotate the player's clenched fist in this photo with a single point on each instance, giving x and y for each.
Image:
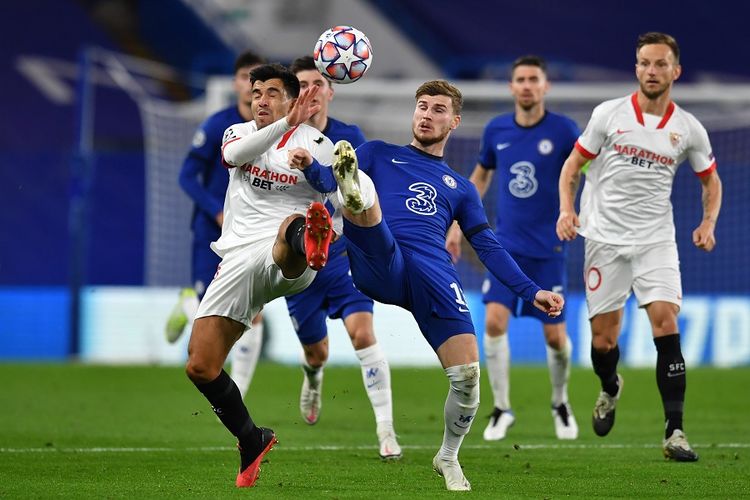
(567, 224)
(299, 158)
(550, 302)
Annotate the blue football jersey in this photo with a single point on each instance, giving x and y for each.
(420, 196)
(203, 176)
(337, 130)
(528, 161)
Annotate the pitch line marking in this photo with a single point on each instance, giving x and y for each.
(521, 447)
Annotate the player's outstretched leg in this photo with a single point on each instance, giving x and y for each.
(250, 459)
(347, 176)
(318, 234)
(604, 410)
(310, 399)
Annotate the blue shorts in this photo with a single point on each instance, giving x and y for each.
(550, 274)
(426, 286)
(331, 294)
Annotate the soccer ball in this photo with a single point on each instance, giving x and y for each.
(343, 54)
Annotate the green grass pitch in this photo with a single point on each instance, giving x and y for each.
(137, 432)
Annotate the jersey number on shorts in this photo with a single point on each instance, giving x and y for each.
(524, 184)
(424, 202)
(460, 298)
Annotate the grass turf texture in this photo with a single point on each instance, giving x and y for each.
(91, 431)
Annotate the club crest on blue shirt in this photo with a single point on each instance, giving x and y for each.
(199, 139)
(545, 146)
(450, 181)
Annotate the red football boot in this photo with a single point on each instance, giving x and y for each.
(249, 474)
(318, 235)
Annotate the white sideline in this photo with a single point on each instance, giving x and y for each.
(517, 447)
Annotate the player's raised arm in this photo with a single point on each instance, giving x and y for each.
(570, 177)
(703, 235)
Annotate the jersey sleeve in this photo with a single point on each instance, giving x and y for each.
(200, 160)
(470, 213)
(486, 151)
(700, 155)
(365, 154)
(498, 261)
(593, 137)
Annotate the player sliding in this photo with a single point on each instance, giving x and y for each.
(635, 145)
(265, 251)
(398, 206)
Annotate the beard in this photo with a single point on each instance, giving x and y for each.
(653, 94)
(429, 141)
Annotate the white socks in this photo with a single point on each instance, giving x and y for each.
(314, 375)
(366, 189)
(497, 360)
(376, 375)
(460, 407)
(245, 355)
(559, 372)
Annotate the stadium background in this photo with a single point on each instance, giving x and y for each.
(81, 214)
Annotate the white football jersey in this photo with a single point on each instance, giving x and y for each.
(626, 196)
(266, 190)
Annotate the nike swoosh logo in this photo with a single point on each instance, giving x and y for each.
(502, 146)
(673, 375)
(398, 162)
(371, 385)
(462, 310)
(620, 131)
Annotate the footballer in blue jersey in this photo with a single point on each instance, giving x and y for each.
(525, 150)
(398, 204)
(204, 178)
(332, 294)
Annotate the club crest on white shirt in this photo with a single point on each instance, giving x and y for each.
(674, 138)
(545, 146)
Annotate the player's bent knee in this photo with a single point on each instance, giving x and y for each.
(201, 372)
(464, 381)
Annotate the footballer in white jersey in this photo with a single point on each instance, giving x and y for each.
(275, 234)
(265, 190)
(634, 157)
(635, 145)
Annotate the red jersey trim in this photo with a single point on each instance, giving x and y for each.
(639, 112)
(285, 138)
(667, 115)
(708, 171)
(585, 152)
(223, 162)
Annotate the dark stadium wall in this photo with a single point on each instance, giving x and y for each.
(579, 38)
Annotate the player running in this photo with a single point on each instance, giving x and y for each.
(527, 148)
(635, 145)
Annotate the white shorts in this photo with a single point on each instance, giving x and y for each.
(651, 271)
(246, 280)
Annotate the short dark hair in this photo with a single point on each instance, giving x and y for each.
(267, 72)
(248, 58)
(441, 87)
(654, 37)
(529, 60)
(303, 63)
